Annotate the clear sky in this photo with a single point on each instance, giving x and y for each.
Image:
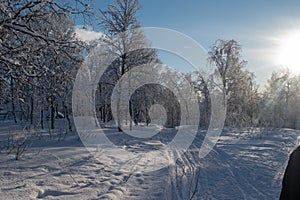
(258, 26)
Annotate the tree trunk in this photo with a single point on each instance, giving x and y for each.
(52, 115)
(67, 117)
(31, 110)
(13, 99)
(42, 118)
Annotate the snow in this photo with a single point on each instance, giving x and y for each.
(242, 165)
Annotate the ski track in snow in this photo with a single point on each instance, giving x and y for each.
(241, 166)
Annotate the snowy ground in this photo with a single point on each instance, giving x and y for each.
(241, 166)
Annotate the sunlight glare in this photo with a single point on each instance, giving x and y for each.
(289, 52)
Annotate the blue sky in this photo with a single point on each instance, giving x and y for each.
(258, 26)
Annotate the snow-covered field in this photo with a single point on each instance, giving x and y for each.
(241, 166)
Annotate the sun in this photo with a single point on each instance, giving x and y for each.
(289, 52)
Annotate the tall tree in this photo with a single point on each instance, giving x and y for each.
(127, 43)
(237, 83)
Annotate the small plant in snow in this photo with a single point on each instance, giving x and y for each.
(18, 143)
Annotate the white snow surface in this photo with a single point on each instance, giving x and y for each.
(242, 165)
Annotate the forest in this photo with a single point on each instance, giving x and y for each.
(40, 57)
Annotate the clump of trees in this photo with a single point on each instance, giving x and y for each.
(240, 91)
(39, 57)
(274, 106)
(280, 101)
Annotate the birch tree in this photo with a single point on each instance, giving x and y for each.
(237, 83)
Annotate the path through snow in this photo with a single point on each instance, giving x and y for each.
(241, 166)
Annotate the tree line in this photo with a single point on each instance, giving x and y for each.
(40, 56)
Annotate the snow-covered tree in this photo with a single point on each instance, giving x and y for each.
(127, 43)
(280, 101)
(237, 83)
(38, 54)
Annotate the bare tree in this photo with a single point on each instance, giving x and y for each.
(126, 42)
